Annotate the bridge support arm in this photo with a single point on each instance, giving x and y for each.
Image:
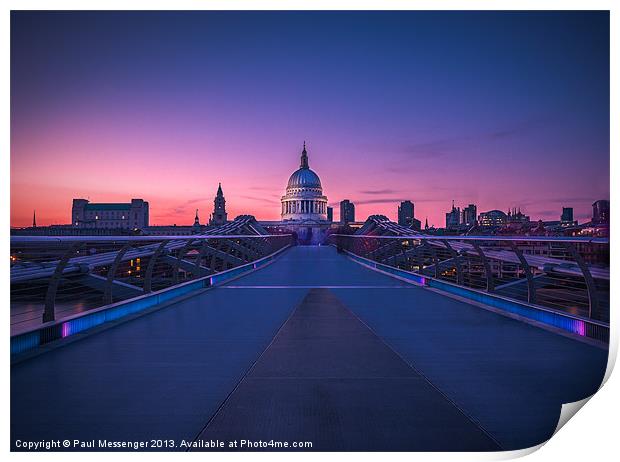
(531, 287)
(488, 273)
(148, 278)
(50, 297)
(435, 258)
(457, 262)
(593, 309)
(107, 295)
(180, 256)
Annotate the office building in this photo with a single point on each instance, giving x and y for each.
(406, 213)
(131, 215)
(347, 211)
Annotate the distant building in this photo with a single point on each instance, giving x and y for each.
(492, 218)
(132, 215)
(173, 230)
(453, 217)
(72, 230)
(469, 215)
(330, 214)
(406, 213)
(347, 211)
(197, 226)
(219, 216)
(600, 212)
(567, 219)
(515, 216)
(567, 215)
(539, 230)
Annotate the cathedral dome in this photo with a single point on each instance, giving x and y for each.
(304, 178)
(304, 199)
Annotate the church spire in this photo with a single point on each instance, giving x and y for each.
(196, 219)
(34, 218)
(219, 216)
(304, 158)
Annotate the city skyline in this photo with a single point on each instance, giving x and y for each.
(402, 113)
(309, 230)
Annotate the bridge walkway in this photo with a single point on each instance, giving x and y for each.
(313, 347)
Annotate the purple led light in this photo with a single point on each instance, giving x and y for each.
(581, 328)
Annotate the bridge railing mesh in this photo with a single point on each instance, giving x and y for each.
(570, 275)
(52, 278)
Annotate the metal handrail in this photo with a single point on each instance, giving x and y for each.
(29, 239)
(525, 268)
(585, 240)
(83, 272)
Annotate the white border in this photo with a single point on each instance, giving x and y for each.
(591, 436)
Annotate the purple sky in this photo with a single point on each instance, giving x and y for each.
(498, 109)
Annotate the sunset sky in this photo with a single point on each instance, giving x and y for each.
(497, 109)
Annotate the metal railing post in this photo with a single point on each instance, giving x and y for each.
(488, 273)
(204, 247)
(50, 297)
(457, 263)
(151, 266)
(107, 293)
(180, 256)
(435, 259)
(593, 306)
(531, 287)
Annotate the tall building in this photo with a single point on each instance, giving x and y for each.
(219, 216)
(347, 211)
(304, 199)
(600, 212)
(453, 217)
(469, 215)
(330, 214)
(132, 215)
(406, 213)
(567, 215)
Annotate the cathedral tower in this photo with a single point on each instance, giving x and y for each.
(219, 216)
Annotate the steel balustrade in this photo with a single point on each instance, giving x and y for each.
(570, 275)
(63, 276)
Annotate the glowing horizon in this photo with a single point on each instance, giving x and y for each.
(496, 109)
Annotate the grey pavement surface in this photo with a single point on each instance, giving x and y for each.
(328, 380)
(164, 375)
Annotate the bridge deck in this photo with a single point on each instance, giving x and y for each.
(326, 378)
(313, 347)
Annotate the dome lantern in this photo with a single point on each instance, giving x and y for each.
(304, 158)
